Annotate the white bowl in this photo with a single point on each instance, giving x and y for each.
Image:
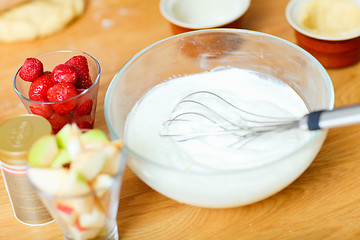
(204, 50)
(201, 14)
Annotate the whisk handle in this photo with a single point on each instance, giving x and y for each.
(337, 117)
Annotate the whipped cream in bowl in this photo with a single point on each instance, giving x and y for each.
(264, 74)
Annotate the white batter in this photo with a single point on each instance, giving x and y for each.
(247, 90)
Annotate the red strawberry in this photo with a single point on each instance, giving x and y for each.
(82, 68)
(39, 98)
(62, 92)
(57, 121)
(84, 107)
(40, 86)
(83, 122)
(80, 90)
(31, 69)
(64, 73)
(44, 110)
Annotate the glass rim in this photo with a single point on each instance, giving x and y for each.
(117, 177)
(96, 81)
(141, 157)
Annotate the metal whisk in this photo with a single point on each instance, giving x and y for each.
(205, 121)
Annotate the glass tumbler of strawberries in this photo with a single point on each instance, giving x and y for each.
(61, 86)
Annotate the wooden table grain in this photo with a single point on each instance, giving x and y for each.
(323, 203)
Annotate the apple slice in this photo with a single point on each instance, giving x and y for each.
(78, 205)
(82, 199)
(61, 159)
(63, 135)
(95, 219)
(102, 181)
(66, 213)
(89, 163)
(48, 180)
(113, 158)
(101, 184)
(79, 233)
(94, 139)
(75, 184)
(43, 151)
(69, 138)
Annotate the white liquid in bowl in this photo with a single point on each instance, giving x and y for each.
(204, 169)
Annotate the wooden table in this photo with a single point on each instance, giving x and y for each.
(322, 204)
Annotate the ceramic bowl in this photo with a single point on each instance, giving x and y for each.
(188, 15)
(332, 51)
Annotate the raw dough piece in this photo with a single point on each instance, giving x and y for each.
(38, 18)
(6, 4)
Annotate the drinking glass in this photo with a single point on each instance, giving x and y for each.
(85, 97)
(86, 216)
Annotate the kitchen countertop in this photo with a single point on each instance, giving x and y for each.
(323, 203)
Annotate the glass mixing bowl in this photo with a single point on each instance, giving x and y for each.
(204, 50)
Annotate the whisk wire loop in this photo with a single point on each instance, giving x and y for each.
(248, 125)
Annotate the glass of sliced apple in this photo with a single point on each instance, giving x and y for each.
(78, 177)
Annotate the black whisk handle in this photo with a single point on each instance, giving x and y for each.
(337, 117)
(313, 120)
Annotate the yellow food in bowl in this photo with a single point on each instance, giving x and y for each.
(332, 18)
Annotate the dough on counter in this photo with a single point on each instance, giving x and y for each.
(38, 18)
